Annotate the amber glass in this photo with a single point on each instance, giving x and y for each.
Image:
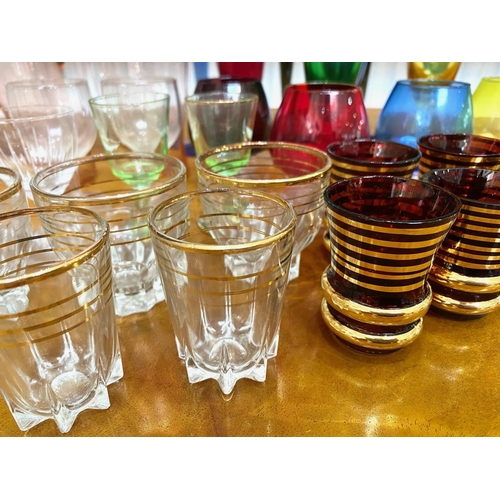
(465, 277)
(384, 233)
(458, 150)
(433, 70)
(317, 114)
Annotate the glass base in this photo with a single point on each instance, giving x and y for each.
(226, 377)
(64, 416)
(139, 302)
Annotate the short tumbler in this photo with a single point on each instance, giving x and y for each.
(384, 233)
(123, 189)
(458, 151)
(224, 257)
(220, 118)
(298, 174)
(59, 346)
(465, 276)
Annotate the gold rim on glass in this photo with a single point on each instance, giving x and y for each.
(72, 262)
(268, 183)
(105, 199)
(215, 248)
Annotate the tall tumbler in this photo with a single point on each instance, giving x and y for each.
(384, 234)
(59, 346)
(224, 257)
(465, 276)
(123, 189)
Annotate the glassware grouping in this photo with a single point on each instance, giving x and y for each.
(410, 218)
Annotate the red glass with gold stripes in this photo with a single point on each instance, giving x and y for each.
(384, 233)
(465, 276)
(458, 151)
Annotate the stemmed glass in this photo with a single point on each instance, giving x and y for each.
(317, 114)
(35, 137)
(72, 93)
(133, 122)
(162, 85)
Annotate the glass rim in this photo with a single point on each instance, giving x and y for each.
(438, 172)
(220, 97)
(322, 87)
(16, 185)
(491, 79)
(98, 200)
(265, 145)
(229, 79)
(367, 162)
(425, 142)
(396, 222)
(117, 80)
(62, 266)
(430, 83)
(56, 112)
(49, 83)
(104, 101)
(227, 248)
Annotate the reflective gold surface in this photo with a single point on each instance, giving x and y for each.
(446, 383)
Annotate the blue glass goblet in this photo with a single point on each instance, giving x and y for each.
(422, 107)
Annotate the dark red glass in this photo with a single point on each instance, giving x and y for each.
(262, 125)
(241, 69)
(317, 114)
(465, 276)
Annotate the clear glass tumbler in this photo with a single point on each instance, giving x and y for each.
(59, 345)
(71, 93)
(162, 85)
(34, 137)
(123, 189)
(220, 118)
(136, 123)
(224, 257)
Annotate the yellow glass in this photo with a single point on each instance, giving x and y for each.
(486, 105)
(433, 70)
